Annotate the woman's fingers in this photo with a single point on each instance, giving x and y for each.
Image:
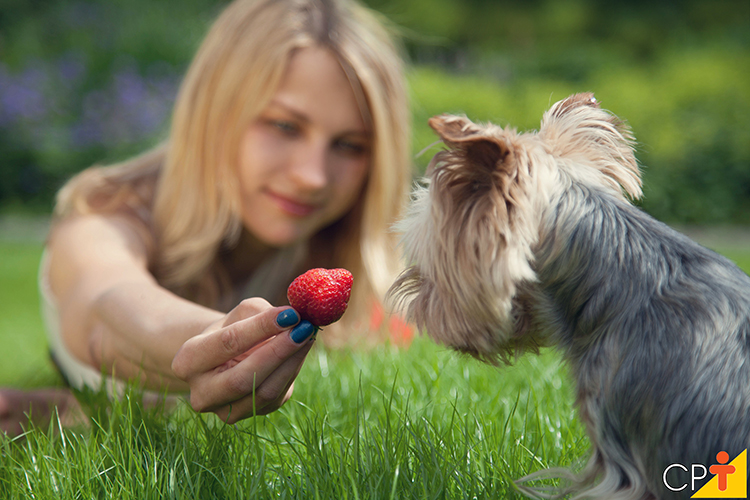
(246, 309)
(213, 349)
(245, 364)
(270, 394)
(227, 384)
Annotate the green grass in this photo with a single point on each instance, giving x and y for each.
(741, 257)
(420, 423)
(414, 423)
(22, 340)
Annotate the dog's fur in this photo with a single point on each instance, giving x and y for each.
(517, 241)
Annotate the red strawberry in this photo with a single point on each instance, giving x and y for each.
(321, 295)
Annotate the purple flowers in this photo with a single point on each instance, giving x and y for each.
(55, 105)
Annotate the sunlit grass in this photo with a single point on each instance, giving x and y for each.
(416, 423)
(421, 422)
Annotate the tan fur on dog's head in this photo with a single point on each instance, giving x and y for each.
(593, 142)
(470, 231)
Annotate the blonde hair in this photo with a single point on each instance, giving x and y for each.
(187, 185)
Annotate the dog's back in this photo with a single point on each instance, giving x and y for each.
(657, 331)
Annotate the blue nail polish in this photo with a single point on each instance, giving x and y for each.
(303, 331)
(287, 318)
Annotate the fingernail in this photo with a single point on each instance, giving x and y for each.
(287, 318)
(303, 331)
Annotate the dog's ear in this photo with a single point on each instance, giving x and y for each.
(575, 101)
(476, 142)
(455, 129)
(577, 128)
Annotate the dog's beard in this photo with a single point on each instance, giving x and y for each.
(446, 319)
(465, 271)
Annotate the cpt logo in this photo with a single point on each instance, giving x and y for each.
(729, 481)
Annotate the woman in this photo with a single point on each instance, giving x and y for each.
(288, 150)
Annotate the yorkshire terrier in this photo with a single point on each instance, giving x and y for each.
(521, 240)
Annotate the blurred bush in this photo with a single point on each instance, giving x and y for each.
(84, 82)
(93, 81)
(690, 112)
(677, 71)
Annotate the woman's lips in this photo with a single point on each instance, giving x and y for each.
(291, 206)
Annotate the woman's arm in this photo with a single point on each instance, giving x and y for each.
(114, 314)
(112, 311)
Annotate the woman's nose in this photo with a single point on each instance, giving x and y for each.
(310, 167)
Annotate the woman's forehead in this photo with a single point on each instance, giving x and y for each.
(316, 87)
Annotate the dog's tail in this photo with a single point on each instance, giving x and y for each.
(600, 479)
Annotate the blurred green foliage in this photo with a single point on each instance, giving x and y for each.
(93, 80)
(84, 82)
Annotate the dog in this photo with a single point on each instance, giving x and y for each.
(517, 241)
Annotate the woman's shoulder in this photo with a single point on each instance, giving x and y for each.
(83, 237)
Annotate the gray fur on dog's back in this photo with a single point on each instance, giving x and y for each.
(657, 329)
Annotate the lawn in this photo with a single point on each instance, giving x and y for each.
(21, 332)
(419, 423)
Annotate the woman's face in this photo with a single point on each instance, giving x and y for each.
(304, 160)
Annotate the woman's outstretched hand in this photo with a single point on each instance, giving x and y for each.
(245, 364)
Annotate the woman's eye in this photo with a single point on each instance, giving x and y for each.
(351, 148)
(287, 128)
